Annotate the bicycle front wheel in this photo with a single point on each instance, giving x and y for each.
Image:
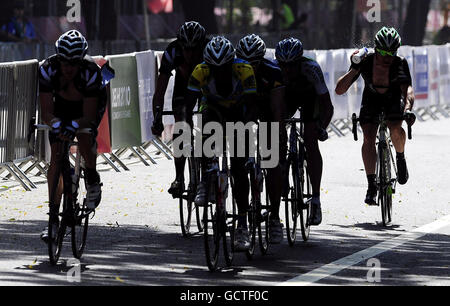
(81, 223)
(211, 234)
(56, 223)
(385, 185)
(291, 198)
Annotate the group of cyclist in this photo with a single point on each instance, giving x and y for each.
(233, 84)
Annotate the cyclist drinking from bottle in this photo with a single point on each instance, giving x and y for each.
(72, 96)
(268, 79)
(181, 55)
(388, 87)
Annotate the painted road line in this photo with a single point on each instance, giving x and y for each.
(351, 260)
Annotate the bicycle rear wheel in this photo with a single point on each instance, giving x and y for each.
(80, 226)
(290, 199)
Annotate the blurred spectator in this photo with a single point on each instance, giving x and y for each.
(19, 29)
(443, 35)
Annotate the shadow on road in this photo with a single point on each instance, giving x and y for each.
(130, 255)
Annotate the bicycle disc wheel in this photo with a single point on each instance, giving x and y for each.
(304, 207)
(263, 224)
(229, 226)
(290, 200)
(80, 226)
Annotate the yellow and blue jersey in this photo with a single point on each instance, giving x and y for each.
(243, 80)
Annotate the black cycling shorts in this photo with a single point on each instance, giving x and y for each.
(373, 104)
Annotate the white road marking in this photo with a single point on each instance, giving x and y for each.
(346, 262)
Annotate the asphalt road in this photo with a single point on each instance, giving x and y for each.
(135, 238)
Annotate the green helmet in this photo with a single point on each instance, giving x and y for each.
(388, 39)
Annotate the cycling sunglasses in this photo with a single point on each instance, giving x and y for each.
(386, 53)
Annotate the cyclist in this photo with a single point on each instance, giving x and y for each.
(388, 86)
(306, 88)
(268, 79)
(227, 86)
(72, 95)
(182, 55)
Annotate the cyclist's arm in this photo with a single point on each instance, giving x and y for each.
(47, 109)
(408, 94)
(160, 91)
(90, 108)
(327, 110)
(344, 82)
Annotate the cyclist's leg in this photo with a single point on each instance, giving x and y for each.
(394, 114)
(369, 124)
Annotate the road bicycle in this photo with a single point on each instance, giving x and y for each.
(219, 214)
(386, 170)
(297, 192)
(189, 190)
(73, 213)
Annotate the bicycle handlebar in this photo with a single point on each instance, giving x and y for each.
(355, 120)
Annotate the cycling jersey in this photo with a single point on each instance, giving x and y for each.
(173, 57)
(268, 77)
(88, 81)
(243, 81)
(304, 90)
(391, 101)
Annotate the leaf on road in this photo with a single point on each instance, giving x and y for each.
(119, 279)
(12, 219)
(40, 206)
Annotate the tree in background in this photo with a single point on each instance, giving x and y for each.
(201, 11)
(415, 23)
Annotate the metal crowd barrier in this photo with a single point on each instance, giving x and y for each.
(18, 89)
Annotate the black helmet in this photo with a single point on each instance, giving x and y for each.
(191, 33)
(219, 51)
(251, 47)
(71, 45)
(289, 50)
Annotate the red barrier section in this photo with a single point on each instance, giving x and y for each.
(104, 135)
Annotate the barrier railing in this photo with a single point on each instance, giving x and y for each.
(17, 106)
(125, 128)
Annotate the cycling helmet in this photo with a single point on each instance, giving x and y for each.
(289, 50)
(219, 51)
(191, 34)
(388, 39)
(71, 45)
(251, 47)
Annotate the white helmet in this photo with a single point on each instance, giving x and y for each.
(251, 47)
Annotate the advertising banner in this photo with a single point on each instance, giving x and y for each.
(125, 116)
(146, 71)
(433, 75)
(340, 63)
(444, 75)
(104, 135)
(420, 74)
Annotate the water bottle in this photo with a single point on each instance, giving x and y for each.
(358, 57)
